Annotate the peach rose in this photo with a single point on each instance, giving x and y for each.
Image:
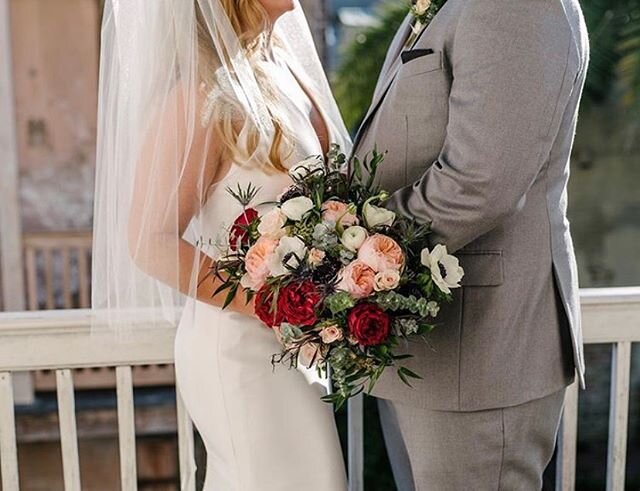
(309, 354)
(257, 262)
(331, 334)
(386, 280)
(357, 278)
(334, 211)
(381, 253)
(316, 256)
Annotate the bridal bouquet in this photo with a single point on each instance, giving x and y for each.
(339, 278)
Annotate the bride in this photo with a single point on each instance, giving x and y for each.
(199, 98)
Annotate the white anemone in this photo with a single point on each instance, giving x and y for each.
(446, 271)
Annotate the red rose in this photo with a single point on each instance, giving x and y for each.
(298, 302)
(369, 324)
(239, 234)
(265, 309)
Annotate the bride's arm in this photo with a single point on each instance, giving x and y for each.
(178, 162)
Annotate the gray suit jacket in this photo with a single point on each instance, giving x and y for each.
(479, 134)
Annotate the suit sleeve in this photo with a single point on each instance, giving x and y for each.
(511, 83)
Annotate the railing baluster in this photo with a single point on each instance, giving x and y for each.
(567, 442)
(49, 283)
(356, 443)
(618, 415)
(66, 277)
(32, 278)
(126, 429)
(8, 447)
(68, 432)
(185, 447)
(83, 276)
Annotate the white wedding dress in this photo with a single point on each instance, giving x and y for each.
(264, 429)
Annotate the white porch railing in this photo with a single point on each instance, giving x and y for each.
(61, 341)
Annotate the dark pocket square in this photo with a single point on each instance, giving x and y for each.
(412, 54)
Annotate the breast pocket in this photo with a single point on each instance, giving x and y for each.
(420, 65)
(420, 95)
(481, 268)
(422, 84)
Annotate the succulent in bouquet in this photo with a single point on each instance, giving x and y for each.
(341, 280)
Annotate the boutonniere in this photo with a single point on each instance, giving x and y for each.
(420, 10)
(424, 11)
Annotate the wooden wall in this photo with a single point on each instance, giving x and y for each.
(55, 69)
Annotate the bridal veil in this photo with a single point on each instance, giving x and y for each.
(176, 78)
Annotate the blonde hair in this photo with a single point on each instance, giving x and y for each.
(251, 24)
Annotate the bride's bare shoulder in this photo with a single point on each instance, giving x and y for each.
(175, 130)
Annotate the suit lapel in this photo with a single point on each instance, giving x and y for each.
(387, 74)
(395, 49)
(392, 64)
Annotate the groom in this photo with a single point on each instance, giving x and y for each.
(478, 113)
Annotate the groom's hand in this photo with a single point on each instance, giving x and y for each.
(512, 80)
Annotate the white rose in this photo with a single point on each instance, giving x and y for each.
(353, 237)
(386, 280)
(438, 258)
(422, 6)
(295, 208)
(272, 224)
(290, 248)
(311, 164)
(375, 215)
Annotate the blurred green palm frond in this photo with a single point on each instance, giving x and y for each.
(614, 70)
(362, 60)
(629, 64)
(614, 33)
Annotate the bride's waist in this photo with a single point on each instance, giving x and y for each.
(203, 315)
